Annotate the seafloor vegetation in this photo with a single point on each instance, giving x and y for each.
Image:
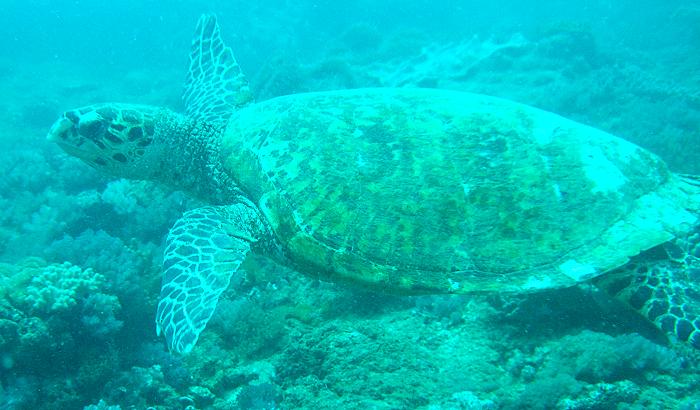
(82, 255)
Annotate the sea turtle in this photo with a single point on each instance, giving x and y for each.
(403, 190)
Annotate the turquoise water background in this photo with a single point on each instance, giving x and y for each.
(81, 253)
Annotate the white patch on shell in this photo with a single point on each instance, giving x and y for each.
(547, 167)
(544, 127)
(466, 188)
(557, 191)
(536, 283)
(605, 175)
(454, 285)
(576, 270)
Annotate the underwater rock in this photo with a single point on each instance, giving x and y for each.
(603, 396)
(143, 387)
(594, 357)
(569, 41)
(263, 396)
(201, 396)
(99, 314)
(101, 405)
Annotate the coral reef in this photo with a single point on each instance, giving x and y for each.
(55, 288)
(54, 320)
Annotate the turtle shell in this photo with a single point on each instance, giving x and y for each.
(416, 190)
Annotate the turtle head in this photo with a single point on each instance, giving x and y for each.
(115, 138)
(146, 143)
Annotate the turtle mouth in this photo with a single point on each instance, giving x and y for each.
(65, 133)
(61, 130)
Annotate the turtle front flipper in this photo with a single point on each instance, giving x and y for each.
(204, 248)
(215, 86)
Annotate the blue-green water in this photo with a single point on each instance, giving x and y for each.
(82, 252)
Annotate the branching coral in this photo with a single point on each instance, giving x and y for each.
(98, 314)
(61, 287)
(39, 299)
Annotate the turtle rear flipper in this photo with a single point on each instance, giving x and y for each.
(665, 290)
(203, 250)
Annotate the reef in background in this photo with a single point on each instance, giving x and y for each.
(79, 289)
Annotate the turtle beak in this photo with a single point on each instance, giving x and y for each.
(64, 132)
(61, 130)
